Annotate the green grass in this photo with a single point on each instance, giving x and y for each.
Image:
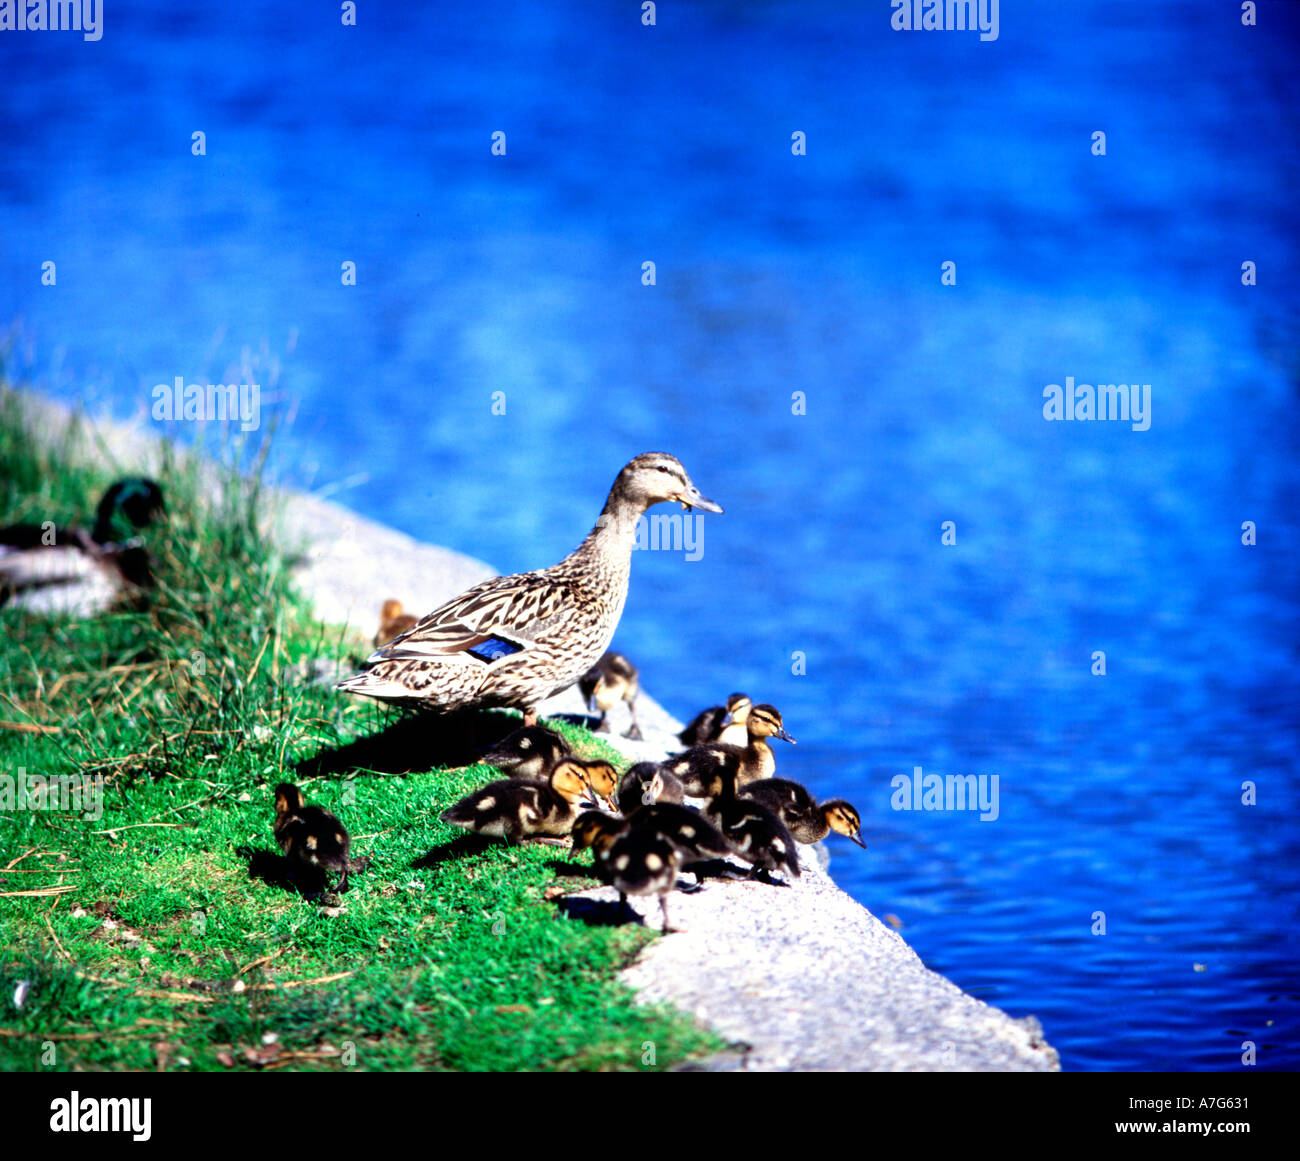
(151, 946)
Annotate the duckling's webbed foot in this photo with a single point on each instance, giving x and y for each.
(633, 733)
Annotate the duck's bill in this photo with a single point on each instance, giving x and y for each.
(784, 737)
(693, 499)
(857, 838)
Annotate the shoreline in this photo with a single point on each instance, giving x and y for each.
(796, 977)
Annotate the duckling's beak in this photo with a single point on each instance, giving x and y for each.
(726, 721)
(857, 838)
(784, 737)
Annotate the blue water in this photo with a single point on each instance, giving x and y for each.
(1118, 794)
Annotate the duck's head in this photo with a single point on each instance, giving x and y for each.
(288, 798)
(764, 721)
(842, 818)
(655, 478)
(569, 781)
(595, 829)
(129, 504)
(738, 707)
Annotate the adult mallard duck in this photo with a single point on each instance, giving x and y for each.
(72, 571)
(516, 640)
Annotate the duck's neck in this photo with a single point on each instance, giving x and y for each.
(614, 533)
(761, 753)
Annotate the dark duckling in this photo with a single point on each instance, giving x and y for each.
(612, 679)
(634, 860)
(755, 833)
(808, 821)
(311, 834)
(528, 752)
(645, 783)
(708, 724)
(517, 809)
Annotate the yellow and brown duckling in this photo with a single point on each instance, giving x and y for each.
(634, 860)
(516, 809)
(77, 572)
(516, 640)
(707, 725)
(393, 619)
(809, 822)
(748, 763)
(528, 752)
(601, 778)
(612, 679)
(311, 835)
(646, 783)
(755, 833)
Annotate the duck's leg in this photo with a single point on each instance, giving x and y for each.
(663, 906)
(634, 731)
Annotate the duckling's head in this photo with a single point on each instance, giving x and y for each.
(529, 745)
(764, 721)
(569, 780)
(738, 707)
(391, 611)
(129, 504)
(602, 778)
(654, 478)
(288, 798)
(843, 818)
(595, 829)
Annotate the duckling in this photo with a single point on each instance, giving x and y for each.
(708, 724)
(634, 860)
(749, 763)
(808, 822)
(70, 571)
(612, 679)
(392, 621)
(756, 834)
(696, 839)
(645, 783)
(528, 752)
(516, 640)
(516, 809)
(310, 834)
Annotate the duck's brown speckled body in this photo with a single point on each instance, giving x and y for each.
(516, 640)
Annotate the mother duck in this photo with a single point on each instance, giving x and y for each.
(516, 640)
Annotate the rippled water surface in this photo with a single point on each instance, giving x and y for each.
(1117, 794)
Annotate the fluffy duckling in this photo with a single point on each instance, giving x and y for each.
(808, 821)
(756, 834)
(76, 572)
(708, 724)
(697, 840)
(310, 834)
(646, 783)
(517, 809)
(392, 621)
(748, 763)
(612, 679)
(634, 860)
(528, 752)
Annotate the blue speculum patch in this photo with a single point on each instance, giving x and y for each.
(493, 649)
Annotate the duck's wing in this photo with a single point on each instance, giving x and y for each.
(496, 618)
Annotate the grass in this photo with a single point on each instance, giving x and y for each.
(140, 938)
